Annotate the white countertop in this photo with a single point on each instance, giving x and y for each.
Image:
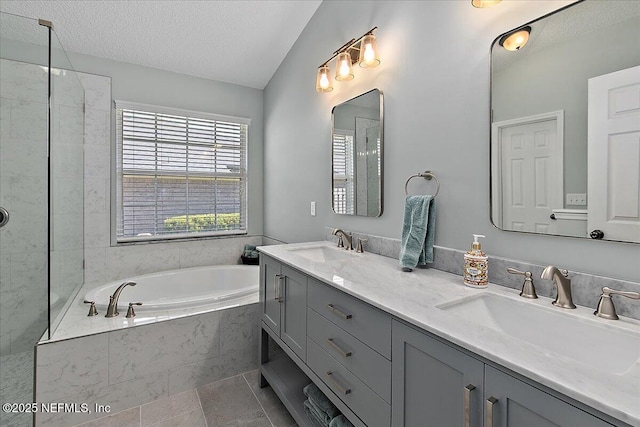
(414, 296)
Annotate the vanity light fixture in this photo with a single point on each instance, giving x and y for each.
(484, 3)
(515, 39)
(362, 50)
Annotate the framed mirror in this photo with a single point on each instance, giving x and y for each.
(565, 123)
(357, 141)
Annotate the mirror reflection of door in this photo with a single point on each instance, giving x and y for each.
(365, 198)
(614, 155)
(529, 186)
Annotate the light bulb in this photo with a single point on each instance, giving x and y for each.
(344, 71)
(516, 40)
(323, 83)
(368, 52)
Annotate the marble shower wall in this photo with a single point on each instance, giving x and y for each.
(130, 367)
(103, 262)
(23, 192)
(586, 288)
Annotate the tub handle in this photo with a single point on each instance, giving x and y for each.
(277, 287)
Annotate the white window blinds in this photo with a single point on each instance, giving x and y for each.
(179, 173)
(343, 172)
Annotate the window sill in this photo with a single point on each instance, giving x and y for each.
(187, 237)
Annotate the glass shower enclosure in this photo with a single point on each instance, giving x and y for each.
(41, 197)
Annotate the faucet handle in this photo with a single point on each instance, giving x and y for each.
(92, 308)
(360, 248)
(605, 308)
(528, 290)
(130, 312)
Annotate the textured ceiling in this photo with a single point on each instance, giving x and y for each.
(241, 42)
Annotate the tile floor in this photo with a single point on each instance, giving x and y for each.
(16, 385)
(232, 402)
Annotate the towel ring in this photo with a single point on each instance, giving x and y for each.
(426, 175)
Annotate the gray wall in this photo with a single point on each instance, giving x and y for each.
(435, 77)
(157, 87)
(556, 78)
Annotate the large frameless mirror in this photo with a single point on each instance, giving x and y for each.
(356, 148)
(565, 123)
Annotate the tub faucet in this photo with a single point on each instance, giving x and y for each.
(112, 310)
(563, 285)
(347, 238)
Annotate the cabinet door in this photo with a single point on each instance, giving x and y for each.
(518, 404)
(294, 311)
(433, 384)
(269, 283)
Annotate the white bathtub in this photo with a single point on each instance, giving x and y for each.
(180, 289)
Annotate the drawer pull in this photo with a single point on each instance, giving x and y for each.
(488, 411)
(337, 384)
(338, 312)
(337, 348)
(277, 287)
(467, 398)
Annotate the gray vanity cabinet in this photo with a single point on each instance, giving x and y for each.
(433, 384)
(283, 291)
(513, 403)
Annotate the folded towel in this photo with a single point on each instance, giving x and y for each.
(320, 401)
(340, 421)
(313, 415)
(418, 231)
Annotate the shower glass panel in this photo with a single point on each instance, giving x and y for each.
(66, 244)
(23, 194)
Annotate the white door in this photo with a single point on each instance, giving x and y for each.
(531, 182)
(614, 155)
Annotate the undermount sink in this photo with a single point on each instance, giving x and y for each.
(590, 341)
(322, 253)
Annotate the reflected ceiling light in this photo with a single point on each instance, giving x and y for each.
(484, 3)
(515, 39)
(362, 50)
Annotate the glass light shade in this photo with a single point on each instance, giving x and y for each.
(344, 70)
(323, 82)
(369, 52)
(516, 40)
(484, 3)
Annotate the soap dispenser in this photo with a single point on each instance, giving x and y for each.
(476, 265)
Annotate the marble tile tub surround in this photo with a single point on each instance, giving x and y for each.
(131, 367)
(417, 298)
(585, 288)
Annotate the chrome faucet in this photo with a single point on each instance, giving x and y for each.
(347, 238)
(112, 310)
(563, 285)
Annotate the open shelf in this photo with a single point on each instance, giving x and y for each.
(287, 381)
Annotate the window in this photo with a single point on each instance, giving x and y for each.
(179, 173)
(343, 172)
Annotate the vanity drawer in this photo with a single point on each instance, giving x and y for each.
(367, 323)
(368, 365)
(370, 407)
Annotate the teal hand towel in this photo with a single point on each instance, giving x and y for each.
(340, 421)
(313, 415)
(320, 401)
(418, 231)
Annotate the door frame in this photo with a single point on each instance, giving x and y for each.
(495, 195)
